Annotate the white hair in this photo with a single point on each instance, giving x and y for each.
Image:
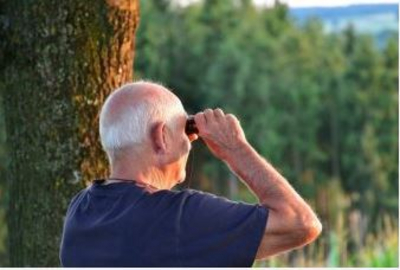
(130, 125)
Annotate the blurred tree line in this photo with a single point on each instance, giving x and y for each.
(322, 108)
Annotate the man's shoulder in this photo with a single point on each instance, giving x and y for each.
(75, 201)
(199, 194)
(193, 194)
(78, 195)
(196, 198)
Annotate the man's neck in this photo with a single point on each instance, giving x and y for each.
(150, 176)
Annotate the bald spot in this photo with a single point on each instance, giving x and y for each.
(134, 94)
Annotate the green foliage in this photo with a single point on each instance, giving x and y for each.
(320, 107)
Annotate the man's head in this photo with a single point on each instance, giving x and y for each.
(142, 125)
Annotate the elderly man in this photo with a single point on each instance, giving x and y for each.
(133, 218)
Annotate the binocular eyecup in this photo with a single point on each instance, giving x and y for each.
(191, 127)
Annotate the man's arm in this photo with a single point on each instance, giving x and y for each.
(291, 222)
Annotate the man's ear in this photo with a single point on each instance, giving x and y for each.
(158, 136)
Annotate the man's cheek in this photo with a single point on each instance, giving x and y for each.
(186, 146)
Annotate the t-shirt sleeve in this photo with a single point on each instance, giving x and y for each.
(215, 231)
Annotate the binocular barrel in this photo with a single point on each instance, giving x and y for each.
(191, 126)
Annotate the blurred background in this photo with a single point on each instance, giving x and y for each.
(316, 90)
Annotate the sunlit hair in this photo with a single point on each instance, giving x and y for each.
(129, 125)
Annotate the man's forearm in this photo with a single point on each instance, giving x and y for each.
(291, 223)
(265, 181)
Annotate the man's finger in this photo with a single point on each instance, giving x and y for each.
(232, 118)
(192, 137)
(219, 114)
(209, 115)
(200, 121)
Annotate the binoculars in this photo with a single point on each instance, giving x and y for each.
(190, 127)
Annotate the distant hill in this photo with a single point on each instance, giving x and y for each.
(379, 20)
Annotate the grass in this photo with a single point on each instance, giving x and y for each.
(341, 248)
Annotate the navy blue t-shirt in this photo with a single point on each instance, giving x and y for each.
(122, 225)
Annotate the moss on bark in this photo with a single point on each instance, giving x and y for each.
(62, 58)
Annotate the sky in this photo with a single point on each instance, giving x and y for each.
(321, 3)
(311, 3)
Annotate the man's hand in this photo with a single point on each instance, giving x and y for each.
(221, 132)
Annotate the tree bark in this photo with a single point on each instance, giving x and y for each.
(61, 60)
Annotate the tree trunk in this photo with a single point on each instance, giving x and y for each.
(62, 58)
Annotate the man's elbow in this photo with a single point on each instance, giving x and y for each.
(307, 232)
(300, 230)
